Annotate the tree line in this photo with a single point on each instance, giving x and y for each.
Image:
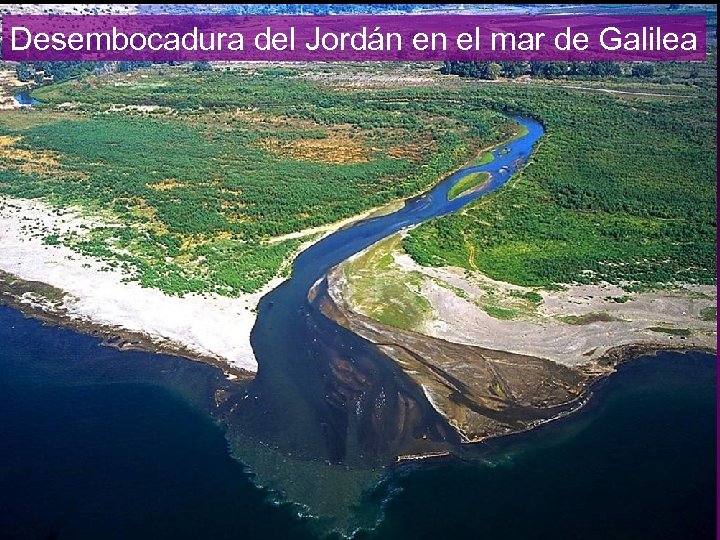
(547, 70)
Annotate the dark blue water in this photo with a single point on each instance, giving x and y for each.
(98, 443)
(638, 463)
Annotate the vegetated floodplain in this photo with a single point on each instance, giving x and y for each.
(380, 289)
(620, 189)
(206, 168)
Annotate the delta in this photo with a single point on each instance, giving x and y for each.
(651, 38)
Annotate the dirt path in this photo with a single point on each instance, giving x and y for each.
(625, 92)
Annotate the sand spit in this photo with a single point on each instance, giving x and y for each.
(211, 326)
(495, 358)
(91, 297)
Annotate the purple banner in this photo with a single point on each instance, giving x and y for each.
(352, 38)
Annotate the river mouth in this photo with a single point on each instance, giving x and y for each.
(348, 403)
(112, 442)
(328, 414)
(327, 407)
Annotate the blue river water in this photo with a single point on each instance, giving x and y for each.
(25, 98)
(99, 443)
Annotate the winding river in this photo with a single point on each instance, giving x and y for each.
(327, 393)
(118, 444)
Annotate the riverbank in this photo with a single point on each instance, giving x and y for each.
(60, 286)
(495, 358)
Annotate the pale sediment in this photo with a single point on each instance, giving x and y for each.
(490, 376)
(88, 294)
(59, 285)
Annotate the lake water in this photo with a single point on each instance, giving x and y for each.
(98, 443)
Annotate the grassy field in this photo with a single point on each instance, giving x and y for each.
(208, 171)
(380, 289)
(205, 169)
(621, 189)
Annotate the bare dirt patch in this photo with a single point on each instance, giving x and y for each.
(27, 161)
(338, 147)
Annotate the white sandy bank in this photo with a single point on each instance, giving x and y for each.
(211, 325)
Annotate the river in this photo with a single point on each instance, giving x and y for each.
(25, 99)
(122, 444)
(298, 349)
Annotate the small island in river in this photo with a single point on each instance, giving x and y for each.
(383, 261)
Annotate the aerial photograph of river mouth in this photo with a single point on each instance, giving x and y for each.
(367, 300)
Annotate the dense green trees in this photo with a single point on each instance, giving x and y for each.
(204, 191)
(619, 189)
(546, 70)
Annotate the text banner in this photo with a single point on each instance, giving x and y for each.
(352, 38)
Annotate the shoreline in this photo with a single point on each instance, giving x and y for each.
(59, 286)
(22, 295)
(475, 411)
(625, 354)
(135, 322)
(91, 296)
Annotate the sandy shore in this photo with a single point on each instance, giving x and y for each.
(96, 298)
(210, 325)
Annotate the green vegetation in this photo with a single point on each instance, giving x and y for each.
(530, 296)
(619, 189)
(588, 318)
(380, 289)
(206, 168)
(483, 159)
(500, 313)
(467, 183)
(709, 314)
(682, 332)
(659, 73)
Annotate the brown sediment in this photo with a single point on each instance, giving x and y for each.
(373, 408)
(46, 303)
(481, 392)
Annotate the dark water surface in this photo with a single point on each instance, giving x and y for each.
(97, 443)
